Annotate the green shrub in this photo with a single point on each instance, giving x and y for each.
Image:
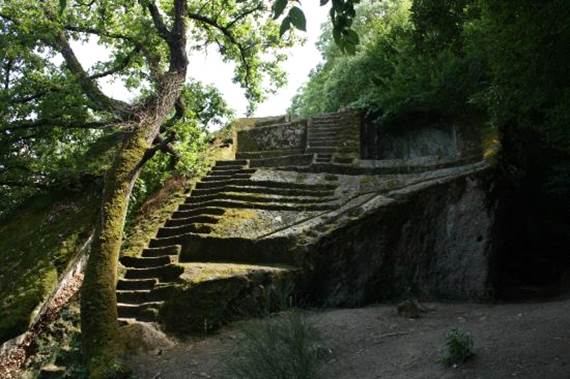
(458, 347)
(284, 347)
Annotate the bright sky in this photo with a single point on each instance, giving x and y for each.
(209, 68)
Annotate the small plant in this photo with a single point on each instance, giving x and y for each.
(458, 347)
(284, 347)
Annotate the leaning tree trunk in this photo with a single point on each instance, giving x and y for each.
(99, 323)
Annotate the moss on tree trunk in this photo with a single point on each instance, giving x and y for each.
(98, 302)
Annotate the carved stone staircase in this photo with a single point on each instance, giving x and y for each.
(332, 135)
(149, 279)
(329, 203)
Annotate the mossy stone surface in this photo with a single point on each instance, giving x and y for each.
(37, 242)
(202, 303)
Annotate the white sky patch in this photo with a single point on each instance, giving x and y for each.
(208, 67)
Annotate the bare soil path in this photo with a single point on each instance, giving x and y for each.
(526, 340)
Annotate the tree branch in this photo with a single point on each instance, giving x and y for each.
(157, 19)
(152, 60)
(160, 144)
(244, 14)
(88, 85)
(119, 67)
(226, 31)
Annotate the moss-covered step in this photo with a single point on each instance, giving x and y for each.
(184, 214)
(276, 205)
(210, 178)
(263, 190)
(268, 153)
(159, 251)
(141, 312)
(167, 231)
(268, 184)
(136, 284)
(220, 248)
(299, 159)
(236, 162)
(164, 273)
(209, 295)
(202, 219)
(258, 197)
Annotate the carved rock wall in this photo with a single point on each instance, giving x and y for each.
(434, 240)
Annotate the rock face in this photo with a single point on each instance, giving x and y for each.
(301, 216)
(421, 137)
(432, 240)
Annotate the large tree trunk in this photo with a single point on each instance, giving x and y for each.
(99, 323)
(98, 297)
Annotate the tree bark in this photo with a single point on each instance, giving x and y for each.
(98, 297)
(99, 323)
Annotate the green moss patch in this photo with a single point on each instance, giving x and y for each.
(37, 242)
(210, 295)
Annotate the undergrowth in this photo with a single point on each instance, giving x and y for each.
(284, 347)
(458, 347)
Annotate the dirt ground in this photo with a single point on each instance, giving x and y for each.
(526, 340)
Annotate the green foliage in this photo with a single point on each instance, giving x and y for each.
(508, 60)
(284, 347)
(389, 74)
(342, 14)
(45, 111)
(458, 347)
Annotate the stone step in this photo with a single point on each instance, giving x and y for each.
(141, 312)
(202, 219)
(331, 149)
(227, 168)
(267, 153)
(139, 296)
(326, 140)
(253, 197)
(263, 190)
(235, 162)
(322, 150)
(265, 183)
(146, 262)
(344, 160)
(160, 251)
(277, 206)
(197, 212)
(324, 133)
(165, 273)
(232, 171)
(326, 120)
(288, 160)
(136, 284)
(169, 231)
(211, 178)
(326, 125)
